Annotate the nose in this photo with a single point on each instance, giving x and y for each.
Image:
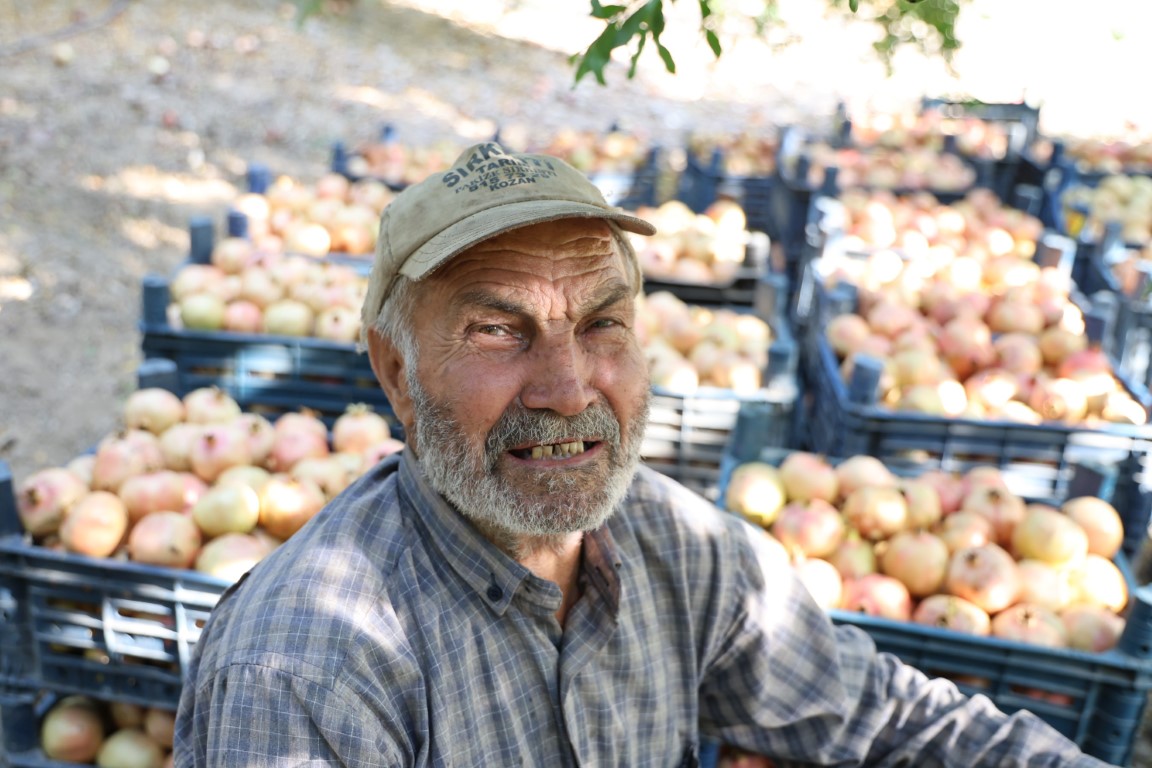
(559, 376)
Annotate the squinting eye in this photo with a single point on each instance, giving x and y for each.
(492, 330)
(604, 323)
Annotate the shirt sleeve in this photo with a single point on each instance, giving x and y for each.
(256, 716)
(783, 681)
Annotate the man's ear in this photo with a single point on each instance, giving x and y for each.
(390, 369)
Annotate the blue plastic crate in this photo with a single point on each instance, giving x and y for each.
(1104, 693)
(110, 629)
(266, 374)
(701, 184)
(753, 285)
(687, 433)
(844, 420)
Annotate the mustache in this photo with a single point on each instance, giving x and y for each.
(520, 426)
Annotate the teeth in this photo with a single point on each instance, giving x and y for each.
(559, 450)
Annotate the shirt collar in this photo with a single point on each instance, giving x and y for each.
(495, 576)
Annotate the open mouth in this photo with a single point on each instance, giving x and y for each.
(553, 450)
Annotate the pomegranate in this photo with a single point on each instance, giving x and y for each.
(153, 492)
(965, 529)
(196, 278)
(202, 312)
(814, 527)
(130, 748)
(1015, 317)
(126, 714)
(1057, 344)
(954, 613)
(81, 466)
(821, 579)
(231, 254)
(949, 488)
(1097, 581)
(260, 433)
(1002, 508)
(1018, 353)
(176, 445)
(95, 525)
(72, 731)
(877, 512)
(340, 324)
(164, 538)
(152, 409)
(919, 559)
(44, 498)
(891, 318)
(985, 575)
(286, 504)
(1047, 534)
(992, 388)
(878, 595)
(924, 506)
(863, 470)
(242, 316)
(245, 474)
(328, 472)
(966, 344)
(854, 557)
(260, 287)
(216, 448)
(160, 725)
(210, 405)
(1045, 584)
(227, 508)
(305, 420)
(1055, 399)
(984, 476)
(1091, 628)
(289, 446)
(846, 333)
(288, 317)
(358, 428)
(231, 555)
(124, 454)
(381, 450)
(1030, 623)
(1100, 521)
(806, 476)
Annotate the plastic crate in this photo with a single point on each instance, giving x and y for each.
(844, 419)
(747, 287)
(702, 184)
(110, 629)
(1095, 699)
(266, 374)
(687, 433)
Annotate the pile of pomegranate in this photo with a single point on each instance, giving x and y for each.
(689, 345)
(968, 325)
(1118, 197)
(399, 164)
(84, 730)
(247, 290)
(332, 215)
(703, 248)
(889, 168)
(195, 482)
(1099, 155)
(744, 154)
(928, 129)
(947, 550)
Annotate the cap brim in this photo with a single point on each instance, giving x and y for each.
(490, 222)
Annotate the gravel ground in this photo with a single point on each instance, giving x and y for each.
(108, 145)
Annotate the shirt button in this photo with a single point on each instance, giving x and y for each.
(495, 594)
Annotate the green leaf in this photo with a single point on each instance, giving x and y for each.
(636, 56)
(606, 11)
(713, 42)
(853, 5)
(666, 55)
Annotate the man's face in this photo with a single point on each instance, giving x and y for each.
(531, 393)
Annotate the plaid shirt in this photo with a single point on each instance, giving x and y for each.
(387, 632)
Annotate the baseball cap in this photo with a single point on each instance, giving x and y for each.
(485, 192)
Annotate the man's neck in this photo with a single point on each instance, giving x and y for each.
(557, 561)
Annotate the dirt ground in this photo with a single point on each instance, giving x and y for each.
(112, 138)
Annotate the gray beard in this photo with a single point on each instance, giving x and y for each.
(561, 503)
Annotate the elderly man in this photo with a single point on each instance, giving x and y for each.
(514, 588)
